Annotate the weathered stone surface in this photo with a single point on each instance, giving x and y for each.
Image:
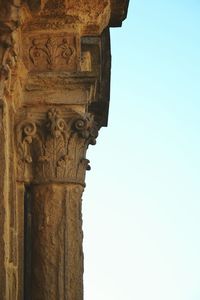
(57, 260)
(54, 97)
(2, 209)
(119, 11)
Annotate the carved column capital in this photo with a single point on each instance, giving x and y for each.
(51, 146)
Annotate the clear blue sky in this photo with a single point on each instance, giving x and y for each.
(141, 207)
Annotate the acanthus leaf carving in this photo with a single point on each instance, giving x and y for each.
(54, 149)
(52, 153)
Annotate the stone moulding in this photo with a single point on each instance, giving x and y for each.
(55, 66)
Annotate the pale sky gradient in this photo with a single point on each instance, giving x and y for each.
(141, 206)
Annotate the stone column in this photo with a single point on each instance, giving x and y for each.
(54, 98)
(52, 164)
(57, 259)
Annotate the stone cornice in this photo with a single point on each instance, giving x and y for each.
(119, 10)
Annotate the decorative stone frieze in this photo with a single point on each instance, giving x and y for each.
(47, 53)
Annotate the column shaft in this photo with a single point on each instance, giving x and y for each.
(57, 260)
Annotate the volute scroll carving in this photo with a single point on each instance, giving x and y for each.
(87, 129)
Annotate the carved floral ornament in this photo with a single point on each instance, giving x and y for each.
(50, 52)
(54, 149)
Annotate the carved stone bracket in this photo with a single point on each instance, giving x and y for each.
(53, 149)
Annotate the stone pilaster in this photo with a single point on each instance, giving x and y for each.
(3, 207)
